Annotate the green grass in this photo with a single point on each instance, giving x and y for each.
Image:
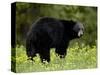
(77, 58)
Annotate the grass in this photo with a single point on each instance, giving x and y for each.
(83, 57)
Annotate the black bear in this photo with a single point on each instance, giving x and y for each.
(49, 33)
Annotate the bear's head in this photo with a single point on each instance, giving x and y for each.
(78, 30)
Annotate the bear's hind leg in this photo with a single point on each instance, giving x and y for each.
(31, 52)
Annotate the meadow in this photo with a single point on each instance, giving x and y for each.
(83, 57)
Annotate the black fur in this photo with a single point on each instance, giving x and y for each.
(49, 33)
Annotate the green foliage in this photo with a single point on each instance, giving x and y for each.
(78, 57)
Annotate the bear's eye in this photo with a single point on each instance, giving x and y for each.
(81, 29)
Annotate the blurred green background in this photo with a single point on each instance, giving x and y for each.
(28, 13)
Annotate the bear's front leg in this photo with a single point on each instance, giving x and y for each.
(61, 49)
(61, 52)
(45, 55)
